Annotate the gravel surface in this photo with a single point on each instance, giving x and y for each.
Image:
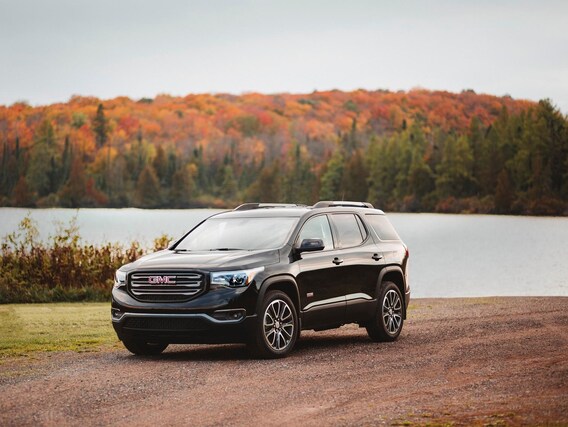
(499, 361)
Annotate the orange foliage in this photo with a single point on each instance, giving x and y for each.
(272, 121)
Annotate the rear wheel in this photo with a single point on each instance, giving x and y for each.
(276, 330)
(142, 348)
(387, 322)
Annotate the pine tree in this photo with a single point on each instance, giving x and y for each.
(455, 170)
(100, 126)
(182, 188)
(229, 186)
(354, 183)
(160, 164)
(267, 188)
(332, 178)
(148, 189)
(42, 168)
(503, 193)
(66, 161)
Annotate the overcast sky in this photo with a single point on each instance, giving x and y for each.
(52, 49)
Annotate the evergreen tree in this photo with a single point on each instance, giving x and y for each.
(160, 164)
(100, 126)
(229, 187)
(354, 182)
(42, 168)
(332, 178)
(66, 161)
(148, 189)
(182, 188)
(299, 182)
(455, 170)
(267, 188)
(503, 193)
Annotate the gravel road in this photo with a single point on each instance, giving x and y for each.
(461, 361)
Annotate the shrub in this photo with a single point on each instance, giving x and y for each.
(62, 269)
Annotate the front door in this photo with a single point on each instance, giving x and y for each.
(321, 278)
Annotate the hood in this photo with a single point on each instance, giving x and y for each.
(204, 260)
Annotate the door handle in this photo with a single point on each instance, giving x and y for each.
(377, 257)
(337, 261)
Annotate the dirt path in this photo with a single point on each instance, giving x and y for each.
(463, 361)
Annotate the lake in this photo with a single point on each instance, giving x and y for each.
(450, 255)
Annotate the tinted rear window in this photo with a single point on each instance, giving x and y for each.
(382, 227)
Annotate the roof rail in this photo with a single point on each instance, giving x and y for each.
(341, 203)
(250, 206)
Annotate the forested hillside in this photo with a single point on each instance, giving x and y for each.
(408, 151)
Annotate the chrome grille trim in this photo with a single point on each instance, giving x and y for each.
(165, 286)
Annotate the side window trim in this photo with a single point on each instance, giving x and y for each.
(362, 228)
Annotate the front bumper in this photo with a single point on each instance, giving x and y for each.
(219, 315)
(183, 328)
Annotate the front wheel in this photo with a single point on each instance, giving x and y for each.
(277, 328)
(386, 324)
(142, 348)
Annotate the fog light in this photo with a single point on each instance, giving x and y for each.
(115, 313)
(225, 315)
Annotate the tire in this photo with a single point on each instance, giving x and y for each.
(277, 328)
(141, 348)
(388, 320)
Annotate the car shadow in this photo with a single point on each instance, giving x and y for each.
(310, 345)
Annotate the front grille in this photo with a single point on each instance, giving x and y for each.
(164, 324)
(165, 286)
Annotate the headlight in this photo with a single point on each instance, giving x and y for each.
(119, 279)
(235, 279)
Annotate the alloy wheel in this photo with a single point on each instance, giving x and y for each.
(278, 325)
(392, 312)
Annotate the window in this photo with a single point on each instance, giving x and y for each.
(348, 230)
(238, 233)
(317, 228)
(382, 227)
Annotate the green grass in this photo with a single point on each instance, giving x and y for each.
(30, 328)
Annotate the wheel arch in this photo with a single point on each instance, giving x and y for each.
(392, 274)
(283, 283)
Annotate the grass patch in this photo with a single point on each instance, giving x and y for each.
(29, 328)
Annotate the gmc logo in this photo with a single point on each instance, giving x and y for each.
(161, 280)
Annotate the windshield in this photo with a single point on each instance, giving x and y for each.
(225, 234)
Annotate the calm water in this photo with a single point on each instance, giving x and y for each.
(450, 255)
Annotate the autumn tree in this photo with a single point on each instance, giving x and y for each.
(74, 191)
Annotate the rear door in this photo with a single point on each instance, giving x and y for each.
(362, 262)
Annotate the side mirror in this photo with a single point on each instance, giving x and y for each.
(311, 245)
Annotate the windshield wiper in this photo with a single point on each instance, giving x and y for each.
(227, 249)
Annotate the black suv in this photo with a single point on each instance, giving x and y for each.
(261, 273)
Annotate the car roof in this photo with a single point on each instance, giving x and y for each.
(294, 211)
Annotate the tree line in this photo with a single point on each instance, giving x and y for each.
(514, 160)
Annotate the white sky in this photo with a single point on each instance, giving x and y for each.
(52, 49)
